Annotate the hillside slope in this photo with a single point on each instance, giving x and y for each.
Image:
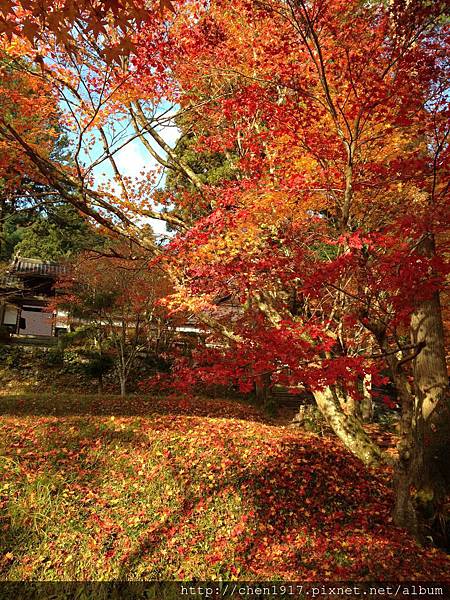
(100, 489)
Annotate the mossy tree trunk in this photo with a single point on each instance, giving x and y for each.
(347, 427)
(430, 461)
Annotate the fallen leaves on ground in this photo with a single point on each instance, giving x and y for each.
(104, 488)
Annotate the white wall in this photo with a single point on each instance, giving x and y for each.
(36, 323)
(10, 316)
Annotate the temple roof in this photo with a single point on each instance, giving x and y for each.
(35, 266)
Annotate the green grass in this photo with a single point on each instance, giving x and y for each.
(145, 488)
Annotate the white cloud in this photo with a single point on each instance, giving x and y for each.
(133, 159)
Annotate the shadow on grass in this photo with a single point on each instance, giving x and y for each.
(310, 507)
(52, 445)
(321, 494)
(68, 404)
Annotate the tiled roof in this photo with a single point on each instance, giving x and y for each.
(34, 266)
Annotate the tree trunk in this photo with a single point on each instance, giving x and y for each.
(348, 428)
(100, 384)
(366, 402)
(422, 476)
(123, 387)
(262, 386)
(431, 465)
(404, 512)
(350, 406)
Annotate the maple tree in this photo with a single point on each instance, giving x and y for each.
(29, 108)
(34, 20)
(331, 237)
(339, 122)
(114, 302)
(102, 106)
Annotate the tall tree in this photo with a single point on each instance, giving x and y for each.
(33, 218)
(58, 232)
(337, 114)
(341, 120)
(105, 108)
(32, 111)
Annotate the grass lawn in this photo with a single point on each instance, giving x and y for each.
(101, 489)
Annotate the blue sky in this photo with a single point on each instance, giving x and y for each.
(131, 161)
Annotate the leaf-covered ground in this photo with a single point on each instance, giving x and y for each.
(101, 489)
